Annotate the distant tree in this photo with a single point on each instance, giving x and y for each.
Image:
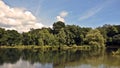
(118, 28)
(95, 38)
(57, 26)
(108, 31)
(3, 37)
(75, 34)
(62, 34)
(111, 31)
(14, 38)
(116, 39)
(103, 31)
(40, 42)
(70, 34)
(26, 39)
(46, 37)
(61, 37)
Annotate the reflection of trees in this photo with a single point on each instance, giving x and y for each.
(9, 55)
(36, 56)
(60, 59)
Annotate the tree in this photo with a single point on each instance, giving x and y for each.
(111, 31)
(14, 38)
(108, 31)
(26, 39)
(3, 37)
(75, 34)
(118, 28)
(57, 26)
(46, 37)
(95, 38)
(61, 37)
(40, 42)
(70, 31)
(116, 39)
(103, 31)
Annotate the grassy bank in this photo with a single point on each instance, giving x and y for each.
(64, 47)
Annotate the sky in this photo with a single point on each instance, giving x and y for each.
(22, 15)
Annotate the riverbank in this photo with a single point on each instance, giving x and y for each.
(64, 47)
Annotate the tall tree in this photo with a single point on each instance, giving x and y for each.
(57, 26)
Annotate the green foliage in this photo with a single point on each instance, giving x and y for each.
(61, 35)
(26, 39)
(116, 39)
(57, 26)
(118, 28)
(111, 31)
(40, 42)
(14, 38)
(3, 36)
(95, 38)
(74, 35)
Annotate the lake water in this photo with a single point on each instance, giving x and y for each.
(35, 58)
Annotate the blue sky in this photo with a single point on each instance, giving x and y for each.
(85, 13)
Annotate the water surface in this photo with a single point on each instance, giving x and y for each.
(35, 58)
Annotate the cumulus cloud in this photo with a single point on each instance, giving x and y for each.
(61, 16)
(17, 18)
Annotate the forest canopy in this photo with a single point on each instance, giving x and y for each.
(62, 34)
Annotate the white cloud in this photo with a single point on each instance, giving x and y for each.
(17, 18)
(61, 16)
(90, 13)
(93, 11)
(63, 13)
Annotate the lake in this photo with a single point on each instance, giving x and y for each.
(35, 58)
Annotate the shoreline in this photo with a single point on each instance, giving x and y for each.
(64, 47)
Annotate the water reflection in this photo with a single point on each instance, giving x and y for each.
(35, 58)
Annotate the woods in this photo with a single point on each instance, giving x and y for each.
(61, 35)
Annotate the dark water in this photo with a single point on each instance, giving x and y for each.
(35, 58)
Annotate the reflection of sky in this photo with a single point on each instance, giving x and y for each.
(26, 64)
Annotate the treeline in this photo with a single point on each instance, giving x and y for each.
(62, 34)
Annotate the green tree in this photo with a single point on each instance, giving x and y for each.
(57, 26)
(103, 32)
(26, 39)
(14, 38)
(95, 38)
(108, 31)
(116, 39)
(111, 31)
(118, 28)
(70, 34)
(46, 37)
(3, 37)
(74, 35)
(61, 37)
(40, 42)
